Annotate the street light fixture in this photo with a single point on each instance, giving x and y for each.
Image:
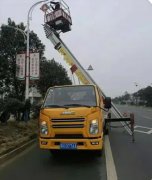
(27, 48)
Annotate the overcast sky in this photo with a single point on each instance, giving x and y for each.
(114, 36)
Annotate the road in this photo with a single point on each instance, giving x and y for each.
(36, 164)
(133, 161)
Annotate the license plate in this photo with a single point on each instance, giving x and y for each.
(68, 145)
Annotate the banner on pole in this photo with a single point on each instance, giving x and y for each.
(34, 66)
(20, 66)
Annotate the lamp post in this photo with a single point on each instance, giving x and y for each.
(27, 47)
(137, 85)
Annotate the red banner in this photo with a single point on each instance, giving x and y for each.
(73, 68)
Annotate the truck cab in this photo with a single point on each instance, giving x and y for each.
(71, 118)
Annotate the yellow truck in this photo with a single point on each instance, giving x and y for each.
(71, 118)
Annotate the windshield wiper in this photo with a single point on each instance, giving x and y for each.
(77, 105)
(53, 106)
(106, 110)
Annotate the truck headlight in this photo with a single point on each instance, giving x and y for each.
(94, 127)
(43, 128)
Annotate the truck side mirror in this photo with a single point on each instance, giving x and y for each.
(107, 103)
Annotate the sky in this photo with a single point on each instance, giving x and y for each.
(114, 36)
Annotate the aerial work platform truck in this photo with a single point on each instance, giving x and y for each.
(74, 117)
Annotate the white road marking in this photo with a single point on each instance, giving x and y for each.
(110, 165)
(150, 132)
(149, 110)
(146, 117)
(146, 130)
(144, 127)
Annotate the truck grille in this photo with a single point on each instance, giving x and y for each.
(68, 136)
(68, 126)
(68, 123)
(69, 120)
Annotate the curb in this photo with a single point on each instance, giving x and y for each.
(16, 151)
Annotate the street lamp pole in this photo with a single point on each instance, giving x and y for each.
(27, 48)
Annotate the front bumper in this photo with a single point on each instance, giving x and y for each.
(82, 144)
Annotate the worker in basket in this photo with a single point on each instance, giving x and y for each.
(56, 5)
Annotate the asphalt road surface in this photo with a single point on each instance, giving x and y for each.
(133, 161)
(36, 164)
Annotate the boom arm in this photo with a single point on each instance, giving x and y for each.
(81, 73)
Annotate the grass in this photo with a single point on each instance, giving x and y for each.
(14, 134)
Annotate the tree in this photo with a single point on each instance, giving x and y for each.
(51, 74)
(141, 97)
(126, 96)
(11, 43)
(146, 95)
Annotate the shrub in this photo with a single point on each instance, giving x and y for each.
(11, 106)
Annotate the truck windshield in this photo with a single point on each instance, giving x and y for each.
(73, 96)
